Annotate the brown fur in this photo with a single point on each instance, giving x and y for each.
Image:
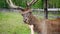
(52, 25)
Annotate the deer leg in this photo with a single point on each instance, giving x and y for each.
(44, 27)
(31, 27)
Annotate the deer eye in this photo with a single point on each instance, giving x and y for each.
(30, 12)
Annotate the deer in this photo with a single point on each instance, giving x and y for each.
(41, 26)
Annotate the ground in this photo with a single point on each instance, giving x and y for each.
(12, 23)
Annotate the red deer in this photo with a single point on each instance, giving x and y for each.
(41, 26)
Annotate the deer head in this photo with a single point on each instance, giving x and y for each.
(24, 11)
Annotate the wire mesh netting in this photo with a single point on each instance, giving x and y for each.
(51, 14)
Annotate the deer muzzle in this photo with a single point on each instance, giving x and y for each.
(25, 20)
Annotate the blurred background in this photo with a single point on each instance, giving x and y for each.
(11, 21)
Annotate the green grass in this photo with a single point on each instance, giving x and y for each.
(12, 23)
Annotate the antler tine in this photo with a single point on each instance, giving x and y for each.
(10, 3)
(32, 2)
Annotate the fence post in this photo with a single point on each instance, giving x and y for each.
(45, 9)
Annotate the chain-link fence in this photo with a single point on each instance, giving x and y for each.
(53, 8)
(52, 13)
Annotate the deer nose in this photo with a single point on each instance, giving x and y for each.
(25, 20)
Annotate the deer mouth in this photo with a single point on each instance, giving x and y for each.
(25, 21)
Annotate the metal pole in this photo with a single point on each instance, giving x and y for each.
(45, 9)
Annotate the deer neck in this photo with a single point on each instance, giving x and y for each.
(33, 20)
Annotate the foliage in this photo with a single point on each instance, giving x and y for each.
(54, 3)
(38, 4)
(22, 3)
(3, 4)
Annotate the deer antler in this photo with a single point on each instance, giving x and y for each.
(32, 2)
(10, 3)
